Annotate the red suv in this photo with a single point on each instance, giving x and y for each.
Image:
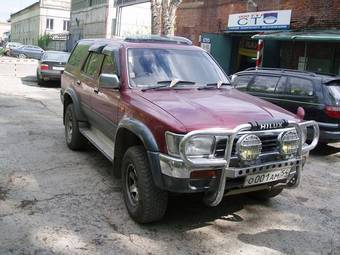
(163, 112)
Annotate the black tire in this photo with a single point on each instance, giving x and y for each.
(265, 194)
(40, 81)
(148, 203)
(74, 139)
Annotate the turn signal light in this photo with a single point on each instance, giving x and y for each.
(333, 111)
(43, 67)
(206, 174)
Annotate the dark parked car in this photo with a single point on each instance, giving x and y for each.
(161, 110)
(318, 94)
(27, 51)
(51, 66)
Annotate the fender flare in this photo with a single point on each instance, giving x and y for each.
(141, 131)
(145, 135)
(76, 102)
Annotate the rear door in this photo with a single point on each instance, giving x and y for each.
(301, 92)
(88, 81)
(72, 74)
(105, 101)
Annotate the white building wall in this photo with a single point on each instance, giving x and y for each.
(25, 26)
(28, 25)
(134, 19)
(92, 22)
(58, 17)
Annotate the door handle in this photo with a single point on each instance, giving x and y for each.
(96, 91)
(78, 82)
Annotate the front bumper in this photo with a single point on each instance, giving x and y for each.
(329, 132)
(176, 172)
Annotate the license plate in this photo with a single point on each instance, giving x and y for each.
(58, 68)
(256, 179)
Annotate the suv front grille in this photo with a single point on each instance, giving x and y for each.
(269, 144)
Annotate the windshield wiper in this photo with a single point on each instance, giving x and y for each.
(215, 85)
(173, 83)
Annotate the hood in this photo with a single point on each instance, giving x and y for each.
(225, 108)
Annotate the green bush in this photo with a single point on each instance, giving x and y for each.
(2, 51)
(43, 41)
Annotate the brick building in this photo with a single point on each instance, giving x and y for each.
(308, 37)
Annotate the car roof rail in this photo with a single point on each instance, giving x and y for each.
(158, 39)
(281, 70)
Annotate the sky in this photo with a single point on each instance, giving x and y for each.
(11, 6)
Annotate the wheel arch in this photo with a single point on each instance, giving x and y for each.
(132, 132)
(69, 97)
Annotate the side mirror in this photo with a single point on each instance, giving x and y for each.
(109, 81)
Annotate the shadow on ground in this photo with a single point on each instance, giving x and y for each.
(32, 82)
(325, 150)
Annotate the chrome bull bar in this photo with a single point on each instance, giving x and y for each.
(213, 198)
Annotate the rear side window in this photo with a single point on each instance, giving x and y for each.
(300, 87)
(78, 55)
(264, 84)
(92, 64)
(241, 82)
(108, 66)
(335, 92)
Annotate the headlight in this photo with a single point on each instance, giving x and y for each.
(172, 143)
(289, 143)
(249, 147)
(201, 146)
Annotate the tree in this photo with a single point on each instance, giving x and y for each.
(164, 16)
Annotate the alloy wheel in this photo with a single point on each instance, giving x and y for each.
(131, 185)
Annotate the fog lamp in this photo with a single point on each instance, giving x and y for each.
(289, 143)
(249, 147)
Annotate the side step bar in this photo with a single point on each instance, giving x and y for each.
(100, 141)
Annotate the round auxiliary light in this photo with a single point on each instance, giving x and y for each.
(249, 147)
(289, 143)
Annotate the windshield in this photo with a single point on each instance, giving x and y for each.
(149, 67)
(56, 57)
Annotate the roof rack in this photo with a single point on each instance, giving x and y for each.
(280, 69)
(158, 39)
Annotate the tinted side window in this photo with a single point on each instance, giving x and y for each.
(78, 55)
(300, 87)
(93, 64)
(265, 84)
(108, 66)
(241, 82)
(281, 86)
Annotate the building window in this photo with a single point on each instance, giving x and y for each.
(66, 26)
(49, 24)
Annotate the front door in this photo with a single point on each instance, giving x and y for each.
(104, 101)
